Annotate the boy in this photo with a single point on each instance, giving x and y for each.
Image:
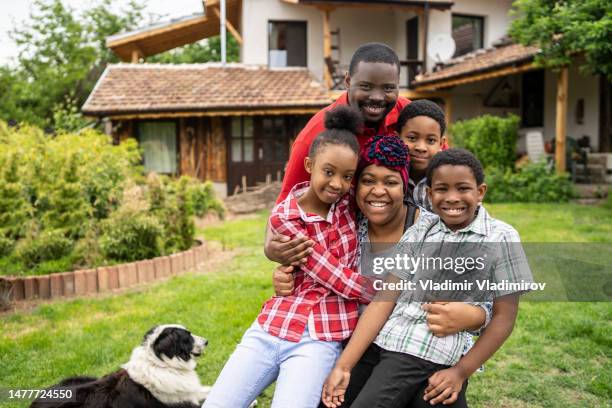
(421, 126)
(410, 355)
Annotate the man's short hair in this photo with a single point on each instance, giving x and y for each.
(456, 157)
(374, 52)
(422, 107)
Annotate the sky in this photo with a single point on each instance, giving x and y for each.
(18, 11)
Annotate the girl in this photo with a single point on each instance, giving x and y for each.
(296, 339)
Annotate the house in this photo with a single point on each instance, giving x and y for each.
(235, 123)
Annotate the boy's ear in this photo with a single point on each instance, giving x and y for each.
(347, 80)
(442, 140)
(482, 190)
(308, 165)
(428, 191)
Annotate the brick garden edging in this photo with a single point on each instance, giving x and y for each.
(106, 278)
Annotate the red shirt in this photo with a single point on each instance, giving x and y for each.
(327, 290)
(295, 172)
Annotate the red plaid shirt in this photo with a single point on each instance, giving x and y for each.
(327, 290)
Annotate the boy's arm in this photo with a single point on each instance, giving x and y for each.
(445, 385)
(446, 318)
(324, 268)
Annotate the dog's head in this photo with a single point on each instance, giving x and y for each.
(172, 340)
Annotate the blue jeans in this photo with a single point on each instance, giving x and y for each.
(299, 369)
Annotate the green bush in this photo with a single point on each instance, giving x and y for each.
(69, 210)
(532, 183)
(15, 210)
(492, 139)
(46, 246)
(130, 236)
(6, 246)
(203, 200)
(177, 216)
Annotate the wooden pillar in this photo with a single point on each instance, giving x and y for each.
(561, 122)
(448, 114)
(327, 50)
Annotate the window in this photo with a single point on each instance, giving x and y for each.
(532, 106)
(158, 141)
(287, 43)
(468, 33)
(275, 146)
(242, 139)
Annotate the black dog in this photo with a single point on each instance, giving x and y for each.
(160, 374)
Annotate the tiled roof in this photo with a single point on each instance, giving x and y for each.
(153, 88)
(479, 61)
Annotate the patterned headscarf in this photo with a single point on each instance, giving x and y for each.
(386, 151)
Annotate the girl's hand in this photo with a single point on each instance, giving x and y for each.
(446, 318)
(335, 387)
(444, 386)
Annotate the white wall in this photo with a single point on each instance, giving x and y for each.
(255, 17)
(579, 86)
(495, 13)
(358, 26)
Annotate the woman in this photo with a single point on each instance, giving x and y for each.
(385, 214)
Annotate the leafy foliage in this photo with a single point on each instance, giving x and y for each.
(61, 55)
(563, 28)
(535, 182)
(46, 246)
(202, 197)
(202, 51)
(130, 236)
(492, 139)
(15, 210)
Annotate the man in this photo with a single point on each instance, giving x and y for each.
(372, 84)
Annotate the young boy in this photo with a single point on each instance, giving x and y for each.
(421, 126)
(411, 357)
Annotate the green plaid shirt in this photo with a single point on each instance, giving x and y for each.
(406, 330)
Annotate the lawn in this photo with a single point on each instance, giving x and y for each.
(558, 355)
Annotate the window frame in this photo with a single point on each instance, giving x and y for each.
(482, 31)
(301, 22)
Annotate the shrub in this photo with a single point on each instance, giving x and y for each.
(130, 236)
(177, 217)
(46, 246)
(69, 210)
(6, 246)
(202, 196)
(492, 139)
(532, 183)
(15, 210)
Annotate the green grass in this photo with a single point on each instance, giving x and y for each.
(558, 355)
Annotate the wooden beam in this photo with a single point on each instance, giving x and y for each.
(327, 51)
(229, 26)
(475, 78)
(137, 54)
(561, 120)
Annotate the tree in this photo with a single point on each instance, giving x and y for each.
(203, 51)
(564, 28)
(61, 56)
